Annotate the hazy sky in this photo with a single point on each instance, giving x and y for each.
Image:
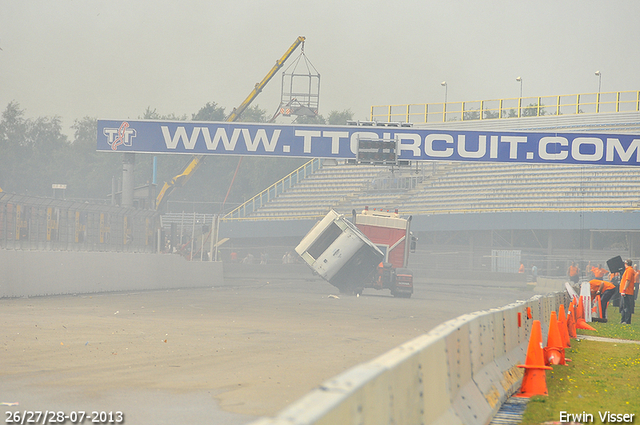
(113, 59)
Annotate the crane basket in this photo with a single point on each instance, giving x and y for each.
(300, 88)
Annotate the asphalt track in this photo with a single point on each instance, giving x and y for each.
(221, 355)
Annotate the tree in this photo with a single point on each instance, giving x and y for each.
(339, 118)
(12, 149)
(534, 110)
(310, 119)
(253, 114)
(511, 113)
(209, 112)
(334, 118)
(33, 152)
(471, 115)
(489, 115)
(91, 172)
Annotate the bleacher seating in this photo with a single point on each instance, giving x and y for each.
(442, 187)
(319, 192)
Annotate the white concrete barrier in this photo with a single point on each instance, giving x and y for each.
(459, 373)
(36, 273)
(549, 284)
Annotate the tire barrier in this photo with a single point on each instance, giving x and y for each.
(459, 373)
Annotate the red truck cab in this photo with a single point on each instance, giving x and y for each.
(392, 235)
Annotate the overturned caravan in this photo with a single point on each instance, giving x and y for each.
(339, 252)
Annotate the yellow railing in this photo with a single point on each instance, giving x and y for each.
(621, 101)
(274, 190)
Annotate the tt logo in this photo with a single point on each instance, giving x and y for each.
(119, 136)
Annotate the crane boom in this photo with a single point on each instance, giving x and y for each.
(197, 160)
(259, 86)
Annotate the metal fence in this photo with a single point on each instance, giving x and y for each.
(33, 223)
(573, 104)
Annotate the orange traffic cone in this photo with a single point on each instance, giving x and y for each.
(564, 330)
(529, 315)
(534, 381)
(554, 351)
(596, 316)
(571, 321)
(580, 310)
(582, 324)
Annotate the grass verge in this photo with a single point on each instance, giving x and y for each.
(613, 328)
(602, 376)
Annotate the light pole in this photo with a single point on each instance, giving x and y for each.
(444, 84)
(444, 106)
(599, 75)
(519, 79)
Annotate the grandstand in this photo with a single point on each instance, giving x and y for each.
(447, 187)
(441, 187)
(330, 186)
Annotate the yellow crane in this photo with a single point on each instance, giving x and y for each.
(196, 160)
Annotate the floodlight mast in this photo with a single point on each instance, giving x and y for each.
(197, 160)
